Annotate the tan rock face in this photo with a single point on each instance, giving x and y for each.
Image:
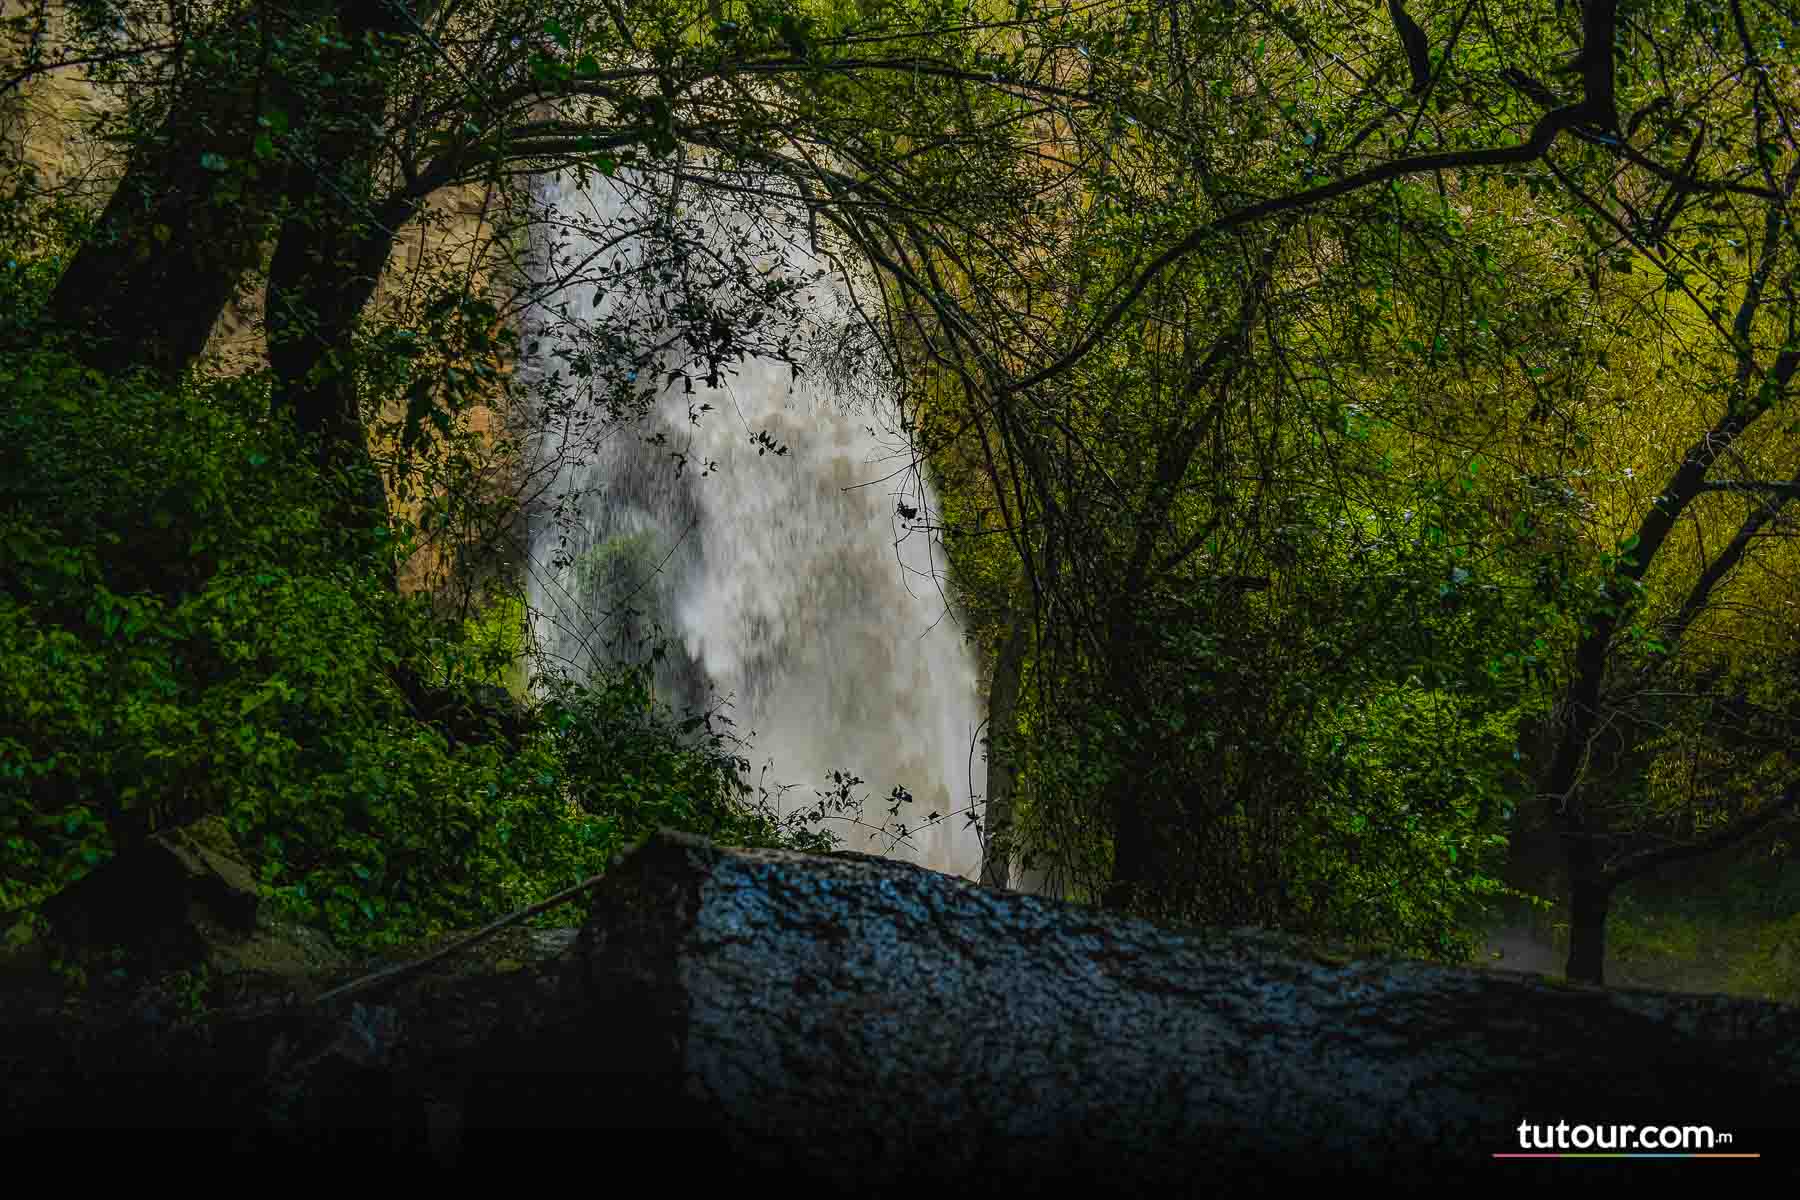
(49, 123)
(456, 245)
(47, 120)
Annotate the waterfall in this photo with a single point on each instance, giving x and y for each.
(749, 507)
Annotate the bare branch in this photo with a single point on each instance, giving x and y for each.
(1789, 490)
(1733, 553)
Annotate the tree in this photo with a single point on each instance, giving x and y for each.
(1644, 624)
(336, 123)
(1715, 240)
(201, 181)
(1649, 171)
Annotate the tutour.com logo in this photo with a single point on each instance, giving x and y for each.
(1563, 1140)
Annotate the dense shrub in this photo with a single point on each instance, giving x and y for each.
(1286, 790)
(181, 633)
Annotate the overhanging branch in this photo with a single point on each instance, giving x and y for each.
(1596, 110)
(1789, 490)
(1549, 126)
(1642, 864)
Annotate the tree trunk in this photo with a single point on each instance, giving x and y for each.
(1589, 898)
(323, 276)
(333, 245)
(1002, 776)
(198, 201)
(1137, 859)
(1134, 848)
(184, 226)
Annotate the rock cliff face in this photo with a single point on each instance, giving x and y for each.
(857, 1021)
(47, 121)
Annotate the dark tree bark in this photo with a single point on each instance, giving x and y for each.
(1413, 40)
(1590, 896)
(1144, 820)
(187, 221)
(333, 245)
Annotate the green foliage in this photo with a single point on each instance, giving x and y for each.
(1771, 967)
(1409, 833)
(181, 633)
(35, 237)
(495, 641)
(629, 763)
(1284, 792)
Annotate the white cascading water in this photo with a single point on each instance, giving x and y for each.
(788, 584)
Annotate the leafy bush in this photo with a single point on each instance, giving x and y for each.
(181, 633)
(628, 762)
(1284, 790)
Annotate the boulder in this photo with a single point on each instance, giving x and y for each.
(855, 1022)
(166, 901)
(849, 1018)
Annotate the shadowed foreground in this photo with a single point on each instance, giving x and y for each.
(863, 1022)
